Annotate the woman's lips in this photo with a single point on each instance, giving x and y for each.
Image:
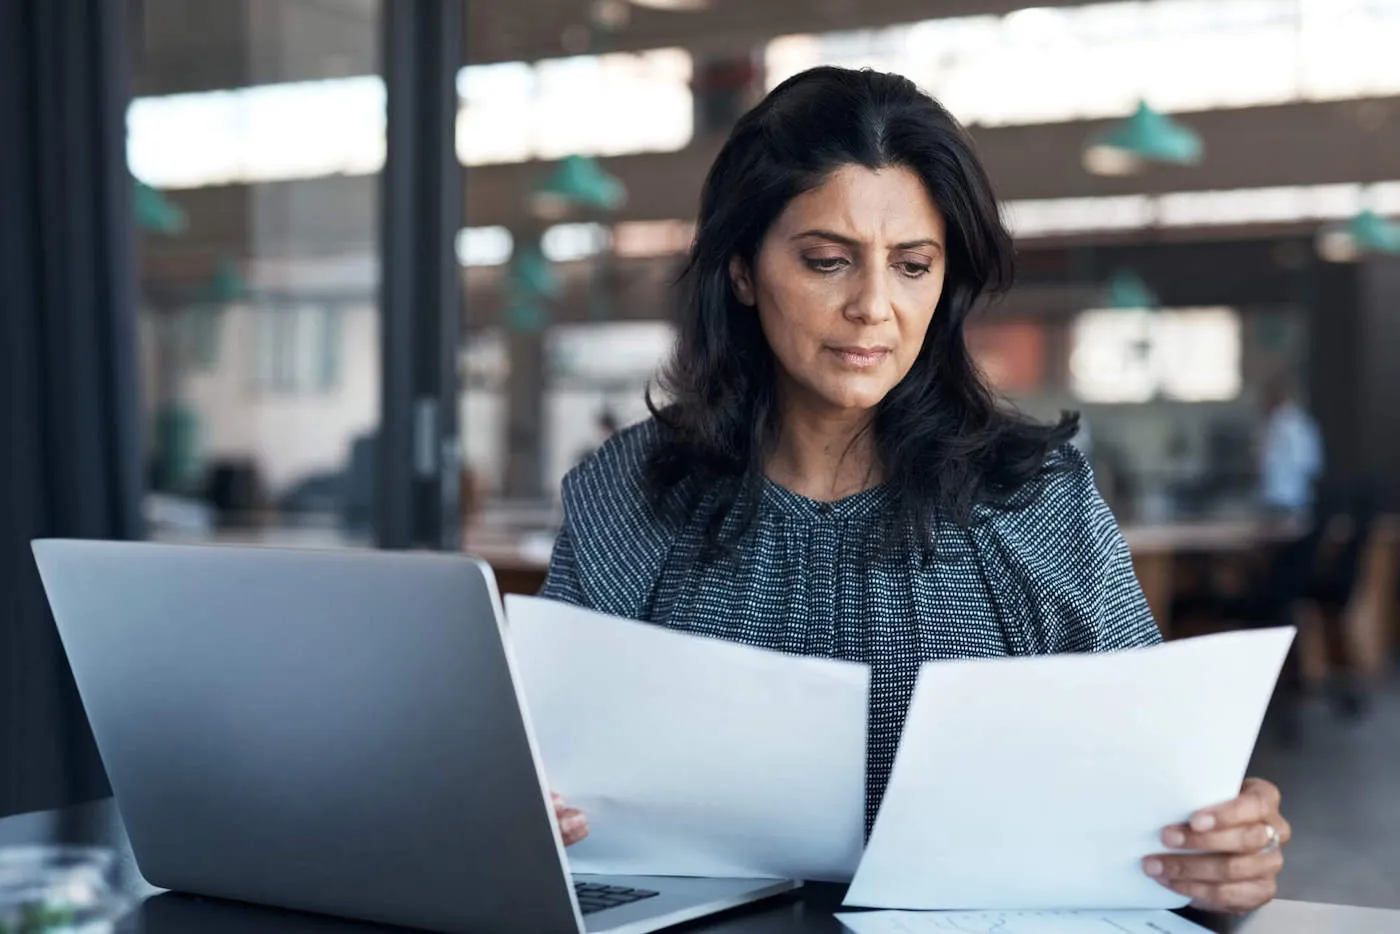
(861, 358)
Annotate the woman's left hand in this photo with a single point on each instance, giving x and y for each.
(1241, 840)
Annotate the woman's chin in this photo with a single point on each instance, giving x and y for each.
(855, 399)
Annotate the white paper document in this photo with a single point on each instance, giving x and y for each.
(1018, 922)
(692, 755)
(1044, 782)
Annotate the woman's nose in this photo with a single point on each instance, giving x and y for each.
(870, 304)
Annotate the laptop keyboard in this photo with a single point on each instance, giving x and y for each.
(594, 897)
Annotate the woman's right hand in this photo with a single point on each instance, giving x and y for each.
(573, 826)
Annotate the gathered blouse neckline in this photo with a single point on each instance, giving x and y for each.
(852, 506)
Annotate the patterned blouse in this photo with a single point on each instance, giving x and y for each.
(807, 578)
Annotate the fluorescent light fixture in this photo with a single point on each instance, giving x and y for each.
(674, 6)
(1289, 204)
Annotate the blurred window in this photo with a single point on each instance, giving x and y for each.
(271, 132)
(484, 366)
(591, 368)
(1047, 65)
(587, 105)
(1065, 215)
(259, 323)
(484, 246)
(493, 246)
(510, 112)
(1284, 204)
(595, 368)
(296, 349)
(621, 354)
(564, 242)
(1136, 355)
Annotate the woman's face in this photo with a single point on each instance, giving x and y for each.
(845, 284)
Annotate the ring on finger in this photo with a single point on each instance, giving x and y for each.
(1273, 843)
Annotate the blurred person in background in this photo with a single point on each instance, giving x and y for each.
(605, 426)
(1290, 456)
(834, 478)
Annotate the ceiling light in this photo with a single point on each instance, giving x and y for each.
(674, 6)
(1146, 136)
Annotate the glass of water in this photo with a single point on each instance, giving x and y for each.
(59, 890)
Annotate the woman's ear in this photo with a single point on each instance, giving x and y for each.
(741, 280)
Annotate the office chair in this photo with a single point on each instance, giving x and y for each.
(1331, 588)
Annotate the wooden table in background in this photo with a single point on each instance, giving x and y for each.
(1373, 616)
(1156, 549)
(520, 566)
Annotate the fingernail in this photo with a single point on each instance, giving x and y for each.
(1203, 822)
(1153, 867)
(1174, 837)
(574, 823)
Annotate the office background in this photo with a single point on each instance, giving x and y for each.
(360, 272)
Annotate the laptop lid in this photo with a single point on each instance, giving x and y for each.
(338, 732)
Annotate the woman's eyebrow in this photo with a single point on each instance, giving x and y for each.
(819, 234)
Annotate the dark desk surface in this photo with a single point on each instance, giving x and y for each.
(807, 912)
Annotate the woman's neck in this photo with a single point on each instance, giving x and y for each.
(824, 455)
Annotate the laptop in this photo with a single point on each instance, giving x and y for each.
(337, 732)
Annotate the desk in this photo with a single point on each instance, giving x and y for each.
(1373, 617)
(807, 912)
(1156, 548)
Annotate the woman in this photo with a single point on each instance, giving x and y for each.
(833, 477)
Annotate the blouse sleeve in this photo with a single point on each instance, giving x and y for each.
(1059, 570)
(562, 583)
(611, 549)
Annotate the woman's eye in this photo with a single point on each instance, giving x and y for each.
(825, 263)
(913, 270)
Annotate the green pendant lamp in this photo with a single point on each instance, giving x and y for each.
(1146, 136)
(530, 282)
(577, 182)
(1365, 233)
(225, 286)
(177, 444)
(531, 274)
(156, 213)
(1126, 291)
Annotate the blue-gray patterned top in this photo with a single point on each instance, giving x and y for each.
(806, 577)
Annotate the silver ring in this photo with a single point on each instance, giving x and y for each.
(1273, 843)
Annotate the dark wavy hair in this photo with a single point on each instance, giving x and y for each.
(942, 439)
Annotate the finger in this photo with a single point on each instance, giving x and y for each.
(1265, 789)
(1249, 838)
(1252, 806)
(1214, 867)
(1284, 828)
(573, 827)
(1230, 896)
